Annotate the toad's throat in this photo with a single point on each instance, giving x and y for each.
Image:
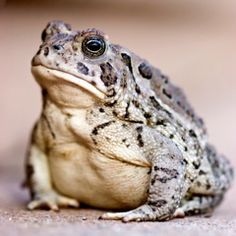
(44, 73)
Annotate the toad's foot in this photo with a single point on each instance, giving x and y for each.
(142, 213)
(52, 200)
(179, 213)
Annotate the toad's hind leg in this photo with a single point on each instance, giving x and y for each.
(167, 184)
(207, 191)
(215, 175)
(198, 205)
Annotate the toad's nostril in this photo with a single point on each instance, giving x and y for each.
(57, 47)
(45, 51)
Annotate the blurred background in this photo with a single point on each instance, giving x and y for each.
(191, 41)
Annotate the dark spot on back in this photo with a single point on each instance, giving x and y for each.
(95, 131)
(145, 70)
(101, 110)
(153, 181)
(196, 164)
(155, 103)
(166, 93)
(165, 78)
(147, 115)
(136, 103)
(192, 133)
(127, 110)
(190, 113)
(185, 161)
(127, 60)
(124, 125)
(82, 68)
(180, 104)
(114, 113)
(136, 121)
(139, 137)
(139, 129)
(137, 89)
(123, 82)
(101, 126)
(160, 122)
(201, 172)
(108, 75)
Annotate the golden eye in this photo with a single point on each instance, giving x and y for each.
(93, 46)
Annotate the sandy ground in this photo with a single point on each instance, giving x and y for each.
(16, 220)
(193, 42)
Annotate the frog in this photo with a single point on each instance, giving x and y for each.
(116, 134)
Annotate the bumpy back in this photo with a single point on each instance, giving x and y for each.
(175, 98)
(221, 168)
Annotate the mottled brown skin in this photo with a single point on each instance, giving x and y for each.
(115, 133)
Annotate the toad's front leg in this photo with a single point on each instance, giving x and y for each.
(166, 187)
(38, 180)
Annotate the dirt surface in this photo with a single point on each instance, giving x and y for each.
(192, 41)
(16, 220)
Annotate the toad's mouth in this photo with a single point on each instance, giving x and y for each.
(43, 73)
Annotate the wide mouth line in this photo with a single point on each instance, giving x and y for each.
(69, 77)
(60, 71)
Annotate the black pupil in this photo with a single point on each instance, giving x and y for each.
(94, 45)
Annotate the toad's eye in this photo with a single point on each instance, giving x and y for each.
(93, 46)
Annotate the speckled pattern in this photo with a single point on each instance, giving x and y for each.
(16, 220)
(202, 32)
(105, 108)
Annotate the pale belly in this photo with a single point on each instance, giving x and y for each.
(96, 180)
